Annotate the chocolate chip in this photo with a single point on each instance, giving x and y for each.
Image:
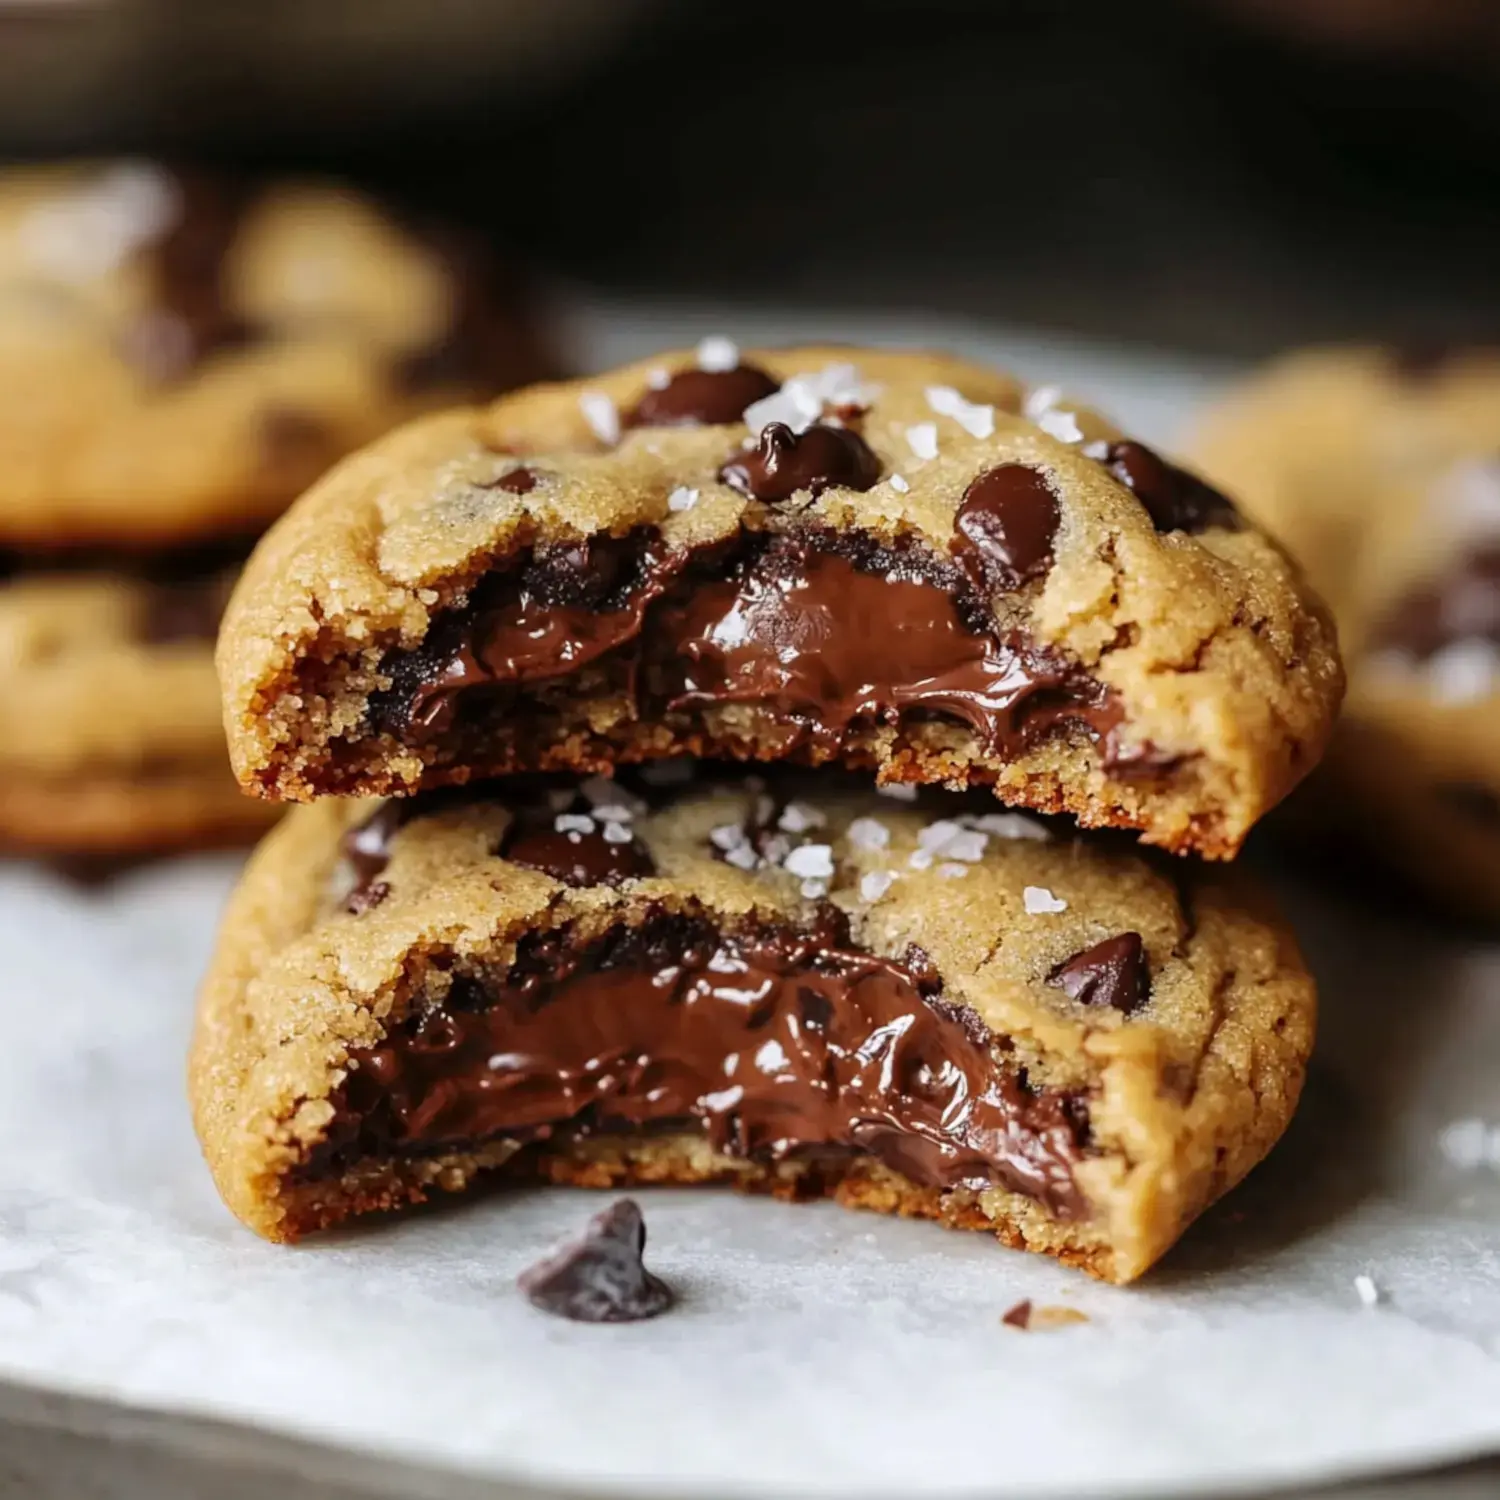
(367, 846)
(1006, 524)
(708, 398)
(784, 462)
(1462, 605)
(1019, 1316)
(363, 897)
(519, 481)
(1174, 499)
(1110, 973)
(600, 1278)
(577, 858)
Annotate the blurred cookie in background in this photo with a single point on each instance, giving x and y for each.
(180, 355)
(1380, 470)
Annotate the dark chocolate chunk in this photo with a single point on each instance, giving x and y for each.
(1006, 525)
(1019, 1316)
(1112, 973)
(1174, 499)
(367, 846)
(707, 398)
(577, 857)
(1462, 605)
(600, 1278)
(519, 481)
(783, 462)
(363, 897)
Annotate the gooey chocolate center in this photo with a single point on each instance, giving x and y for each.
(774, 1043)
(827, 631)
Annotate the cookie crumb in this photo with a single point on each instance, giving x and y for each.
(1031, 1319)
(1039, 901)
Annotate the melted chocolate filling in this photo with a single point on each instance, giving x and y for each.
(775, 1043)
(830, 631)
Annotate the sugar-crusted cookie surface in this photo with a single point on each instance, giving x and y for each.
(1380, 470)
(894, 561)
(181, 353)
(926, 1007)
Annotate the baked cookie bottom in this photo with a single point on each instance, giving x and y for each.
(107, 812)
(1063, 1045)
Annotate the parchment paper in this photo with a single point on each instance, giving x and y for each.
(816, 1351)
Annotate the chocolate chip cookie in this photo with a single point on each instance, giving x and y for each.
(888, 561)
(1381, 470)
(798, 985)
(179, 355)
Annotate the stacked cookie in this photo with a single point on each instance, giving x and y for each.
(180, 355)
(918, 598)
(1381, 471)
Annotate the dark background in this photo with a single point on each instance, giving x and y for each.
(1228, 176)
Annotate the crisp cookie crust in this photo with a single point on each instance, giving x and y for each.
(1162, 1020)
(1380, 470)
(180, 353)
(1172, 674)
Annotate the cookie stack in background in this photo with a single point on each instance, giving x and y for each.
(928, 605)
(180, 355)
(1380, 471)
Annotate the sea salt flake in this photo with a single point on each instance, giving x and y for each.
(812, 889)
(682, 498)
(810, 862)
(802, 400)
(1062, 425)
(922, 439)
(616, 833)
(659, 379)
(602, 415)
(898, 791)
(920, 859)
(952, 871)
(1010, 826)
(574, 823)
(977, 421)
(1470, 1144)
(1464, 672)
(873, 884)
(1366, 1290)
(742, 857)
(899, 484)
(952, 840)
(798, 817)
(727, 836)
(775, 849)
(869, 833)
(1039, 901)
(718, 353)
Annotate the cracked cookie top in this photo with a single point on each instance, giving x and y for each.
(902, 562)
(181, 353)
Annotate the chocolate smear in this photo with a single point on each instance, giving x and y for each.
(703, 398)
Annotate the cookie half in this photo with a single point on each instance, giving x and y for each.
(182, 352)
(893, 562)
(802, 988)
(1381, 471)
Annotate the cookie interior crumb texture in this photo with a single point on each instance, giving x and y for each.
(614, 983)
(718, 560)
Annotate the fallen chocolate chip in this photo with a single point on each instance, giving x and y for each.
(1110, 973)
(1006, 525)
(708, 398)
(518, 482)
(600, 1278)
(1174, 499)
(784, 462)
(577, 858)
(1019, 1316)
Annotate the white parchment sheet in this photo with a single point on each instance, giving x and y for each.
(816, 1351)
